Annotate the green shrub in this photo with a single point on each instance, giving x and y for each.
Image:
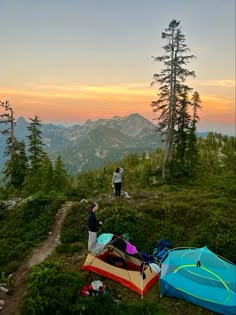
(74, 228)
(26, 225)
(50, 290)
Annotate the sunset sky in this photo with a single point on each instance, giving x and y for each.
(72, 60)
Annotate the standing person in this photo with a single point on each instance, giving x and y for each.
(93, 227)
(116, 180)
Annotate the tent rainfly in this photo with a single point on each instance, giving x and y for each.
(200, 277)
(127, 267)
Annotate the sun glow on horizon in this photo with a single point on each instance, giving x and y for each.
(73, 103)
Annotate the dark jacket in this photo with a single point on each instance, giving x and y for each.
(93, 224)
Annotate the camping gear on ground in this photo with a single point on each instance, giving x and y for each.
(155, 268)
(104, 238)
(130, 249)
(115, 263)
(148, 258)
(101, 241)
(200, 277)
(161, 248)
(95, 288)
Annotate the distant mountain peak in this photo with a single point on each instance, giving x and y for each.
(116, 117)
(88, 122)
(94, 143)
(136, 115)
(21, 119)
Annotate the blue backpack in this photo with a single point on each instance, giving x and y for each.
(161, 248)
(148, 258)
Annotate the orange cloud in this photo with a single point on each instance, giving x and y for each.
(79, 102)
(120, 93)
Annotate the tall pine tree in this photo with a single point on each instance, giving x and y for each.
(36, 151)
(192, 151)
(183, 119)
(171, 80)
(36, 154)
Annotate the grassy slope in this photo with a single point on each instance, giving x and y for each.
(189, 214)
(199, 214)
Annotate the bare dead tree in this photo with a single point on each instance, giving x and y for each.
(7, 118)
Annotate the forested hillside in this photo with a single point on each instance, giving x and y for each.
(190, 212)
(93, 144)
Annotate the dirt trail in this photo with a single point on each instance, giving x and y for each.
(13, 301)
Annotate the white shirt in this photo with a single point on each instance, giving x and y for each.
(117, 176)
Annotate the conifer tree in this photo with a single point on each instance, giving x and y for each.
(192, 152)
(229, 150)
(16, 167)
(61, 181)
(4, 114)
(16, 164)
(183, 120)
(171, 80)
(36, 153)
(46, 174)
(7, 117)
(36, 144)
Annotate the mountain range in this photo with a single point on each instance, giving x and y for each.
(95, 143)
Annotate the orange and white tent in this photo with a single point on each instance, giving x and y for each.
(115, 263)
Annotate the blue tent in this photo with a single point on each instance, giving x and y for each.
(201, 277)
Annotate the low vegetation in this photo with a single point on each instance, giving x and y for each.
(52, 290)
(194, 211)
(24, 227)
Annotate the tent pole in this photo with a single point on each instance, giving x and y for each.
(142, 266)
